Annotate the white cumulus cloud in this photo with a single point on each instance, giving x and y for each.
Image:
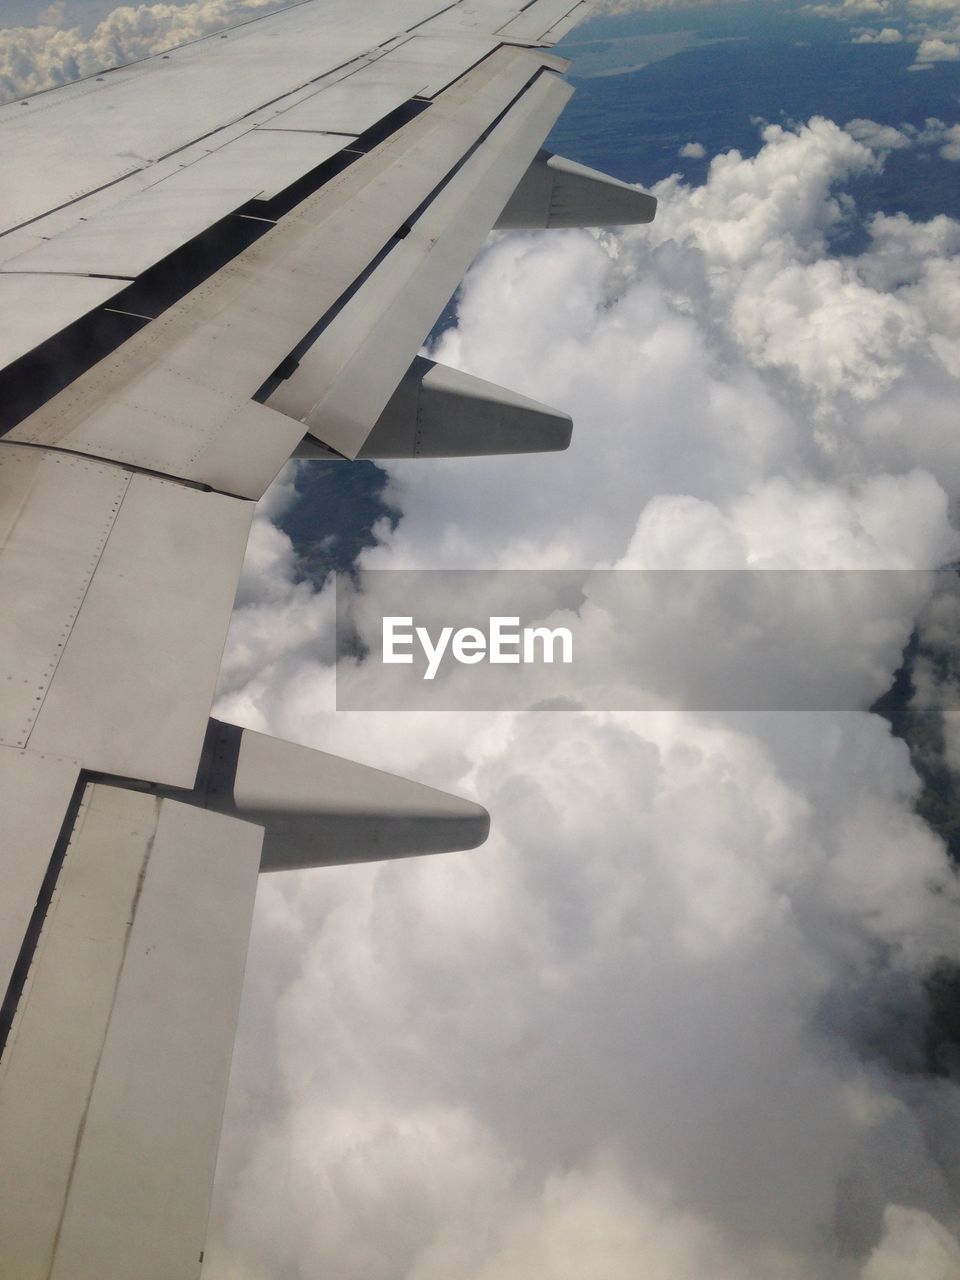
(938, 50)
(878, 137)
(886, 35)
(672, 1020)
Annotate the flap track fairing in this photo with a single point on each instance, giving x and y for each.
(438, 412)
(321, 810)
(555, 192)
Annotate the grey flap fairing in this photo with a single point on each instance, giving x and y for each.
(438, 412)
(319, 810)
(555, 192)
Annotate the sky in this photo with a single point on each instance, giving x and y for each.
(674, 1018)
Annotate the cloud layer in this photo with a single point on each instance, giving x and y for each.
(933, 25)
(672, 1020)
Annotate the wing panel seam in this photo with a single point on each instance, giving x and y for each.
(71, 613)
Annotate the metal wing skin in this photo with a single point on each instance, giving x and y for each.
(210, 261)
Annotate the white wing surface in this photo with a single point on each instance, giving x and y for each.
(210, 261)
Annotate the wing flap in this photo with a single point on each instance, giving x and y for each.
(347, 377)
(113, 1083)
(223, 339)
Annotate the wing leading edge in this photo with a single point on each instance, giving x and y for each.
(254, 284)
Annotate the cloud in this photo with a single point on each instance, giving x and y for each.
(951, 148)
(936, 133)
(851, 8)
(53, 15)
(39, 57)
(672, 1019)
(938, 50)
(913, 1242)
(690, 1007)
(887, 35)
(878, 137)
(881, 8)
(615, 7)
(933, 25)
(693, 151)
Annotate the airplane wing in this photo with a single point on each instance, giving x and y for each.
(212, 260)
